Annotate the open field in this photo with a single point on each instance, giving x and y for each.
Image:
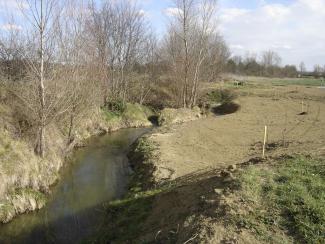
(223, 140)
(287, 81)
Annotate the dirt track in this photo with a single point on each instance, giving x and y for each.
(223, 140)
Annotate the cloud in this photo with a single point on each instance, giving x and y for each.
(314, 5)
(293, 30)
(236, 46)
(230, 14)
(144, 13)
(11, 27)
(12, 5)
(172, 11)
(276, 12)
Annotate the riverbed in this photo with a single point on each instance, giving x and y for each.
(97, 174)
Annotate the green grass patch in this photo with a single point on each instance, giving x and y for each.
(5, 210)
(29, 192)
(110, 115)
(131, 113)
(288, 197)
(136, 111)
(301, 82)
(143, 149)
(140, 156)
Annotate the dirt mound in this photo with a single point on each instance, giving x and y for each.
(170, 116)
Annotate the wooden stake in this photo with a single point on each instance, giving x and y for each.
(302, 106)
(265, 138)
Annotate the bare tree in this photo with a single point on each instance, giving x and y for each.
(270, 61)
(302, 67)
(318, 70)
(148, 74)
(39, 14)
(217, 56)
(76, 75)
(10, 54)
(43, 96)
(191, 32)
(119, 30)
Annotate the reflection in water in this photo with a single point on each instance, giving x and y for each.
(98, 174)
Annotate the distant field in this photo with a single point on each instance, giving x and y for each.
(302, 81)
(254, 81)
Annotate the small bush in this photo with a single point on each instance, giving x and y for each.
(223, 96)
(116, 106)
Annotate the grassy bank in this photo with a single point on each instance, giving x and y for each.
(134, 115)
(24, 176)
(124, 219)
(285, 201)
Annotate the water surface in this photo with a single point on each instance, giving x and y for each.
(98, 174)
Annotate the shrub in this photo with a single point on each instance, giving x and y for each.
(223, 96)
(116, 106)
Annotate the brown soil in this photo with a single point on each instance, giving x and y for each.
(219, 141)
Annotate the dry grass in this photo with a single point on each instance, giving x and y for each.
(21, 169)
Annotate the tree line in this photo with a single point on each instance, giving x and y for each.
(269, 65)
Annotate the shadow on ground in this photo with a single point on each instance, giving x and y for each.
(227, 108)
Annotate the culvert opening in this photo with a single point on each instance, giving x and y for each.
(227, 108)
(153, 119)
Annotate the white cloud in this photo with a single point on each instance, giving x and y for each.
(276, 11)
(172, 11)
(11, 27)
(230, 14)
(236, 46)
(10, 5)
(294, 30)
(314, 5)
(144, 13)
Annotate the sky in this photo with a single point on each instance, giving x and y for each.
(293, 28)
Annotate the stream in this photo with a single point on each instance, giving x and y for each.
(98, 173)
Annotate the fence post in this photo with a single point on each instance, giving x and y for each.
(265, 139)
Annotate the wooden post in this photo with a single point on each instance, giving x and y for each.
(302, 107)
(265, 139)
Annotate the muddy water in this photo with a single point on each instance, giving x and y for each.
(99, 173)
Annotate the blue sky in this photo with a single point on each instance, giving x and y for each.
(293, 28)
(156, 9)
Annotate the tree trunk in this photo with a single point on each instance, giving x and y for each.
(186, 61)
(42, 88)
(70, 139)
